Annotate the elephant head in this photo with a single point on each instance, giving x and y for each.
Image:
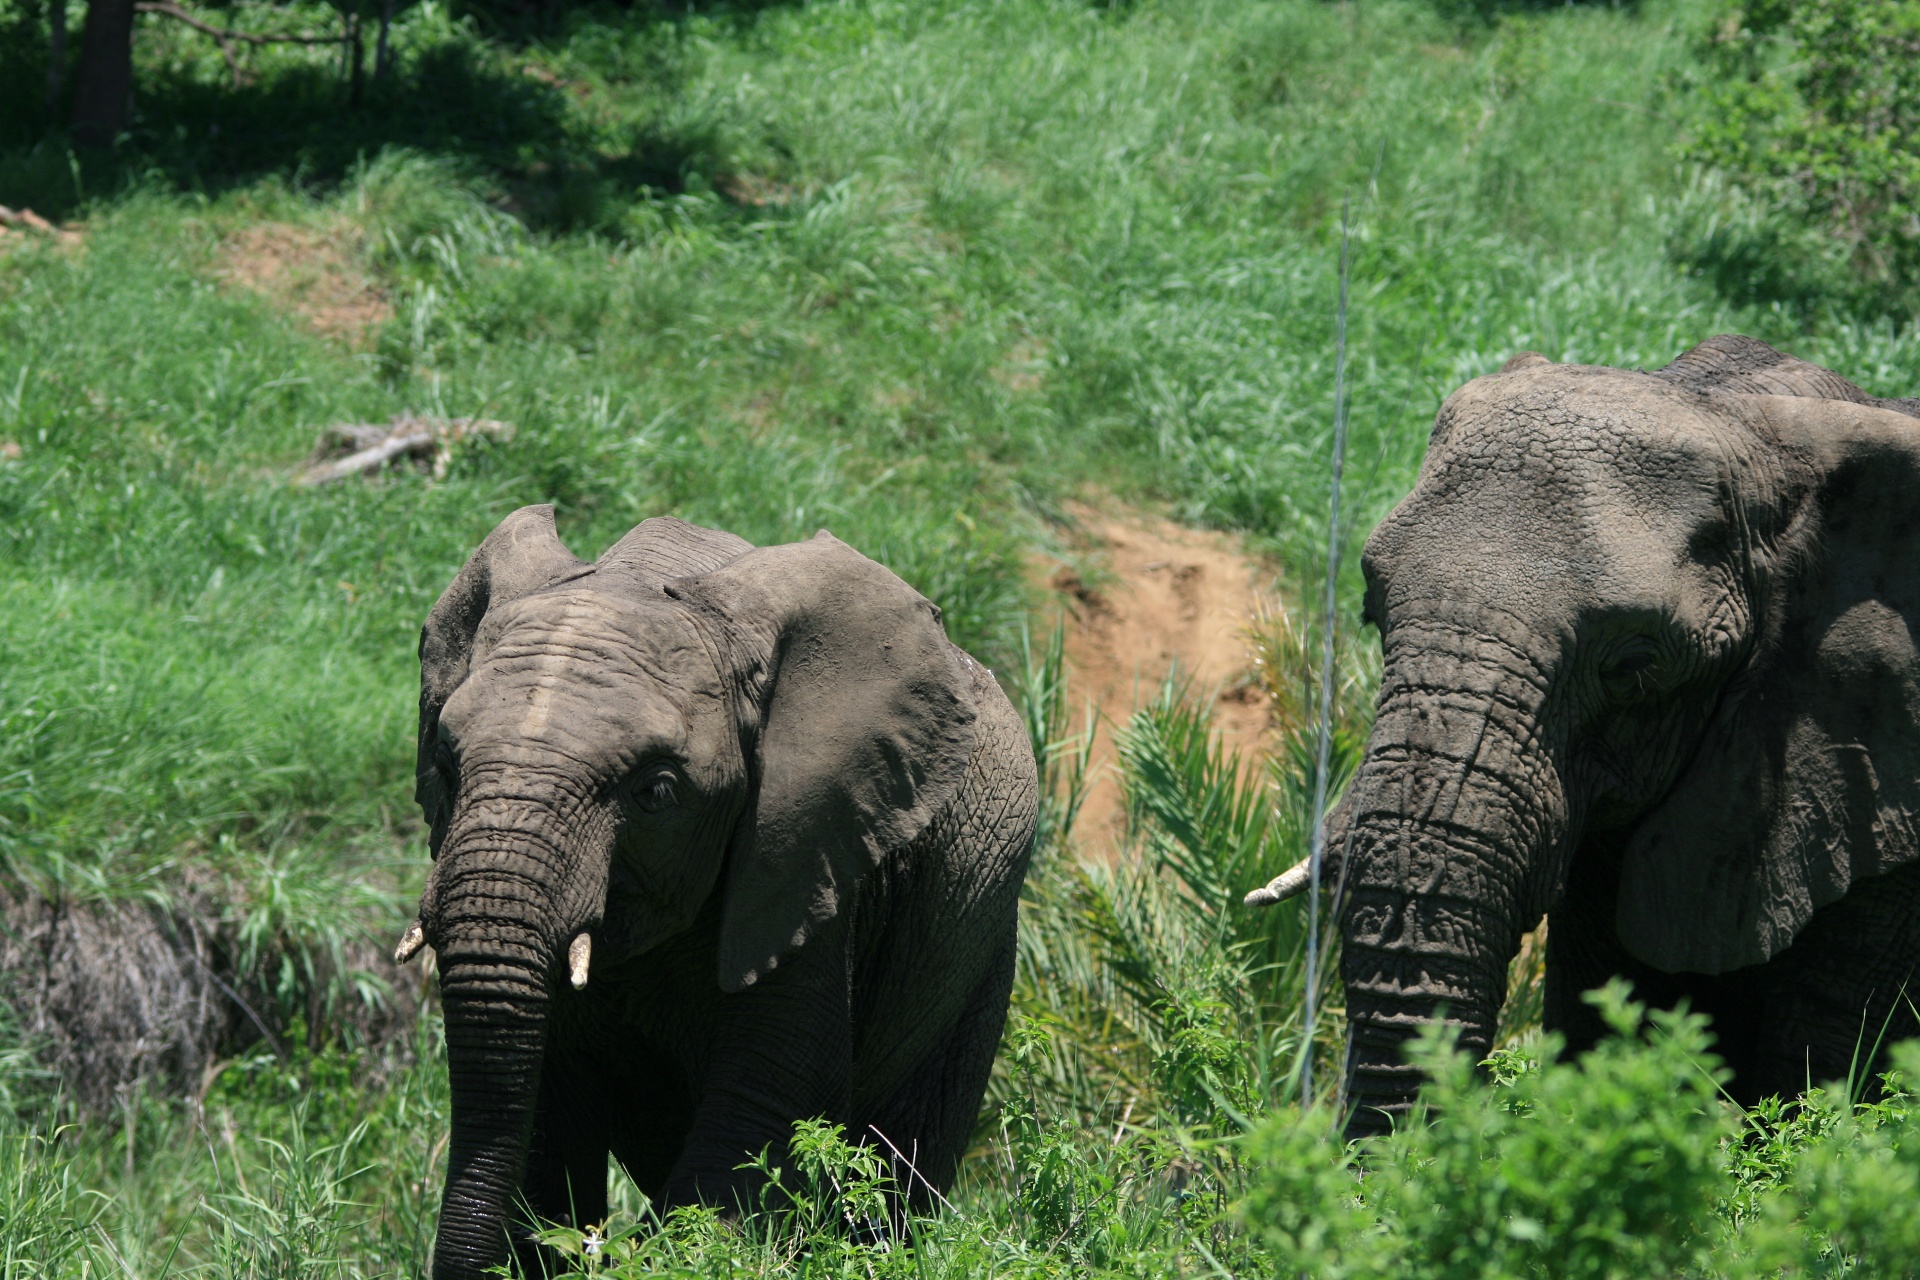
(1665, 619)
(603, 747)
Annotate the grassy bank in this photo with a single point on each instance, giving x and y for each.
(916, 272)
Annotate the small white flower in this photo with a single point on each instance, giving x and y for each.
(592, 1242)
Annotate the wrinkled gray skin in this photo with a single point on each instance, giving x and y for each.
(792, 820)
(1650, 669)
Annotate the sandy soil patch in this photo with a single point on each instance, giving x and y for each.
(310, 272)
(1155, 594)
(21, 227)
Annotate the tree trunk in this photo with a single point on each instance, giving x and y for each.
(105, 79)
(381, 53)
(356, 54)
(56, 56)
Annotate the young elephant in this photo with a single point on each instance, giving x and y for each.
(724, 837)
(1650, 669)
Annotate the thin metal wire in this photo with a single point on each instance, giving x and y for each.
(1323, 748)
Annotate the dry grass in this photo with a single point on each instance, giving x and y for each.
(118, 995)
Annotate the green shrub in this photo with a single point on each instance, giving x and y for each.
(1811, 111)
(1849, 1201)
(1607, 1167)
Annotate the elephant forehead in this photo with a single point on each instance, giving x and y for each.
(1619, 444)
(1579, 489)
(581, 669)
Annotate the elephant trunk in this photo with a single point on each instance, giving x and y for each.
(1457, 824)
(509, 891)
(496, 1016)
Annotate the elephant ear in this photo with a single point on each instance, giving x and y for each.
(522, 555)
(864, 719)
(1809, 777)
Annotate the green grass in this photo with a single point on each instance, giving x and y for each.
(1006, 252)
(917, 272)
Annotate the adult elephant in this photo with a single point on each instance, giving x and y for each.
(1650, 669)
(724, 837)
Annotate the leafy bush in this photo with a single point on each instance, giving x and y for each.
(1848, 1183)
(1811, 111)
(1606, 1167)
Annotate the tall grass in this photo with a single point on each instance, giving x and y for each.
(1158, 995)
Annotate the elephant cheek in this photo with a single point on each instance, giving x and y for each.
(661, 878)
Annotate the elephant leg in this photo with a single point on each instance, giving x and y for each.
(1583, 952)
(566, 1179)
(926, 1122)
(783, 1051)
(648, 1126)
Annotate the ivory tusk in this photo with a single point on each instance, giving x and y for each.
(577, 956)
(1283, 886)
(410, 942)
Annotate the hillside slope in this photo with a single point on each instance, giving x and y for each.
(924, 272)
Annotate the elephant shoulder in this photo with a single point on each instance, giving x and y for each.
(996, 805)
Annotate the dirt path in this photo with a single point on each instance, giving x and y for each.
(1153, 594)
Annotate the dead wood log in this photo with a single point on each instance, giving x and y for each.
(361, 448)
(26, 220)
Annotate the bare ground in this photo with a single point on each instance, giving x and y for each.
(312, 272)
(1140, 596)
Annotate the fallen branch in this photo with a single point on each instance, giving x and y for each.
(426, 441)
(175, 12)
(25, 219)
(225, 36)
(28, 222)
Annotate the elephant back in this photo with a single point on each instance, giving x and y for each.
(1735, 365)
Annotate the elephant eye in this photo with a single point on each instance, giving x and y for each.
(1628, 665)
(656, 789)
